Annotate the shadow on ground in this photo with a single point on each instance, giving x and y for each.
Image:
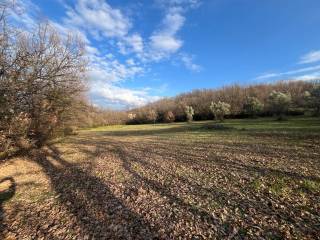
(132, 154)
(98, 213)
(218, 175)
(5, 195)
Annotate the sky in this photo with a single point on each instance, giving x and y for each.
(140, 51)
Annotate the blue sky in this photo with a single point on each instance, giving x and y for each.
(143, 50)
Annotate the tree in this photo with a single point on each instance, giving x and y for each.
(169, 117)
(252, 106)
(189, 113)
(41, 75)
(279, 103)
(152, 116)
(220, 109)
(313, 99)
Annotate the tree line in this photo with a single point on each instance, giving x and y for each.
(279, 99)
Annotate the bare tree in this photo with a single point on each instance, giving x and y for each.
(41, 74)
(152, 116)
(169, 117)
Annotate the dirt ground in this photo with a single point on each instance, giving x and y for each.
(174, 181)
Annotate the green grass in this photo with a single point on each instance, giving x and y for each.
(311, 186)
(265, 124)
(257, 184)
(298, 125)
(279, 186)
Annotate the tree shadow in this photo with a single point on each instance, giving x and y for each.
(230, 199)
(69, 182)
(5, 195)
(188, 157)
(98, 212)
(102, 215)
(127, 159)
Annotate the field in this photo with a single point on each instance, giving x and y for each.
(251, 179)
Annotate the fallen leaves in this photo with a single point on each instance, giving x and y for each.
(157, 187)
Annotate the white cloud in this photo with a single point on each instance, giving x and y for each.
(103, 22)
(104, 77)
(173, 21)
(130, 62)
(91, 50)
(20, 15)
(131, 44)
(187, 60)
(136, 42)
(66, 31)
(293, 72)
(165, 40)
(308, 77)
(111, 70)
(185, 3)
(165, 43)
(122, 96)
(312, 71)
(268, 75)
(311, 57)
(98, 18)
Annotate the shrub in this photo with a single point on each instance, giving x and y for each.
(220, 109)
(252, 106)
(279, 103)
(189, 113)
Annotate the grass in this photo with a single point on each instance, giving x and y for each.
(257, 184)
(311, 186)
(301, 124)
(256, 178)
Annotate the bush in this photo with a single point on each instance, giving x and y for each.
(220, 109)
(252, 106)
(279, 103)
